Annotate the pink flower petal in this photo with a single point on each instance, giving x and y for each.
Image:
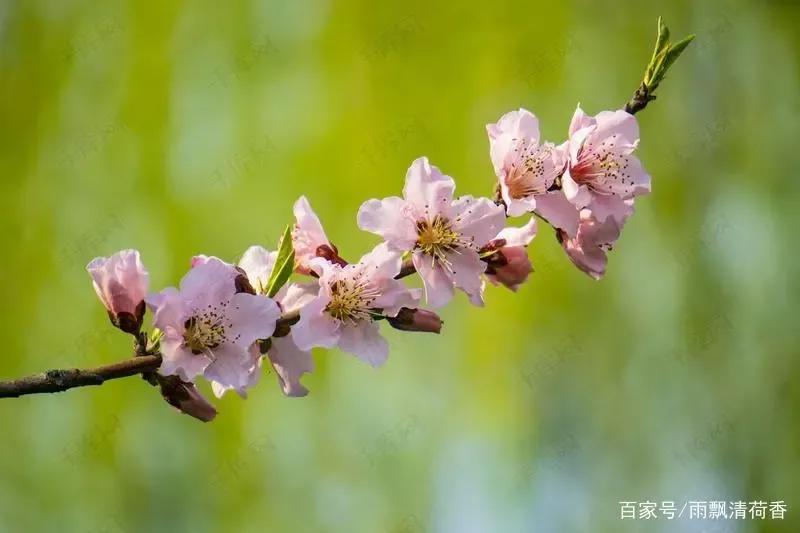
(316, 328)
(120, 281)
(478, 220)
(167, 308)
(294, 296)
(252, 316)
(558, 211)
(587, 250)
(308, 234)
(521, 236)
(258, 262)
(430, 191)
(365, 342)
(381, 263)
(438, 284)
(392, 218)
(466, 268)
(208, 283)
(504, 135)
(619, 124)
(230, 368)
(580, 120)
(176, 360)
(290, 363)
(603, 207)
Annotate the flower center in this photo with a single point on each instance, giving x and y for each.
(205, 330)
(602, 169)
(350, 301)
(529, 174)
(436, 237)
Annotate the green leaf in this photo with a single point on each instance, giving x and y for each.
(675, 50)
(284, 264)
(670, 55)
(658, 52)
(663, 36)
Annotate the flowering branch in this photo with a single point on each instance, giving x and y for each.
(225, 321)
(60, 380)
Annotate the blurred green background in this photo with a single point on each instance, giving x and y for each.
(191, 127)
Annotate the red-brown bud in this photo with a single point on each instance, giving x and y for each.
(416, 320)
(185, 397)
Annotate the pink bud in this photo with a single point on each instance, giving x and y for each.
(509, 266)
(185, 397)
(416, 320)
(121, 283)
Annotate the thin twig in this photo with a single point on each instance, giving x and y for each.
(639, 100)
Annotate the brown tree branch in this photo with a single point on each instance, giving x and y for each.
(61, 380)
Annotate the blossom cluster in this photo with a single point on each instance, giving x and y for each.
(225, 320)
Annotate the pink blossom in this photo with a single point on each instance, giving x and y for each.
(121, 282)
(443, 235)
(309, 239)
(603, 172)
(210, 328)
(587, 250)
(350, 300)
(510, 265)
(527, 171)
(288, 361)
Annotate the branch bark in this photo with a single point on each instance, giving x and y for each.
(639, 100)
(61, 380)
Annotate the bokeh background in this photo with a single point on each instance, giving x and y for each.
(191, 127)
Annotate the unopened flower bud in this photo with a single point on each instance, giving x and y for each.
(509, 266)
(331, 253)
(121, 283)
(416, 320)
(243, 283)
(185, 397)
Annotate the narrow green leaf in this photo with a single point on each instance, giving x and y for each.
(671, 54)
(655, 70)
(663, 36)
(676, 50)
(660, 48)
(284, 264)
